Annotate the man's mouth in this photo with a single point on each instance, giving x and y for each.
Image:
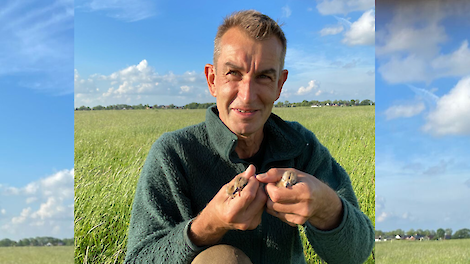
(245, 111)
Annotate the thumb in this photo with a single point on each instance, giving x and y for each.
(250, 171)
(272, 175)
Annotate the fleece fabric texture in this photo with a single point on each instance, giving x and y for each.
(186, 168)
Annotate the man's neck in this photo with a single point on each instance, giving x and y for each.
(248, 145)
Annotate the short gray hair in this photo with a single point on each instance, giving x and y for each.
(255, 25)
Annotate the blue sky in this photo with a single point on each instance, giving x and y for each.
(36, 139)
(141, 52)
(154, 52)
(422, 116)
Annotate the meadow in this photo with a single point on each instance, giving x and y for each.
(111, 147)
(36, 255)
(453, 251)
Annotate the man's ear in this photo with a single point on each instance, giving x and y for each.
(280, 82)
(209, 70)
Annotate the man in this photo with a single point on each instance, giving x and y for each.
(181, 206)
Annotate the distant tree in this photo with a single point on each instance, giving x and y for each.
(440, 233)
(98, 107)
(81, 108)
(379, 233)
(420, 232)
(366, 102)
(448, 232)
(314, 102)
(6, 242)
(411, 232)
(462, 233)
(139, 107)
(305, 103)
(279, 104)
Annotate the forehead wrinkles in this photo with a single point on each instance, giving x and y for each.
(239, 48)
(254, 59)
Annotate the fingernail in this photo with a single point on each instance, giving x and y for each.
(260, 176)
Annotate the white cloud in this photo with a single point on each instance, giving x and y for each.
(185, 89)
(330, 7)
(286, 12)
(454, 64)
(312, 85)
(22, 217)
(382, 217)
(362, 32)
(49, 206)
(409, 69)
(405, 38)
(37, 44)
(135, 82)
(121, 10)
(451, 116)
(398, 111)
(31, 200)
(3, 211)
(331, 30)
(403, 55)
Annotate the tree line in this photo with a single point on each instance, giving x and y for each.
(437, 234)
(194, 105)
(37, 242)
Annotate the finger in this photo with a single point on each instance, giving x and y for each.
(281, 217)
(290, 195)
(250, 171)
(272, 175)
(257, 205)
(300, 209)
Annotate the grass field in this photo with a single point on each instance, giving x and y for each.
(111, 147)
(453, 251)
(36, 255)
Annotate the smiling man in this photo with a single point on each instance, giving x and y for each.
(182, 212)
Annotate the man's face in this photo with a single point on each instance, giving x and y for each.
(246, 81)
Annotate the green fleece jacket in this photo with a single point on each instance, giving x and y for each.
(186, 168)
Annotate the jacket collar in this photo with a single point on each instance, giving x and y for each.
(283, 142)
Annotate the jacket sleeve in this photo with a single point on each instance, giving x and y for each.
(352, 241)
(161, 211)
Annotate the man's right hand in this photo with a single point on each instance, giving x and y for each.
(223, 213)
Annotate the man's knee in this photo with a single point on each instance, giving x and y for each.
(222, 254)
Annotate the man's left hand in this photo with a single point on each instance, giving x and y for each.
(308, 200)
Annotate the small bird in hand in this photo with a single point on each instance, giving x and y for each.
(236, 186)
(289, 178)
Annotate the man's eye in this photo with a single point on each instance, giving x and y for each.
(235, 73)
(264, 76)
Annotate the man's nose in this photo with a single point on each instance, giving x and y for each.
(246, 90)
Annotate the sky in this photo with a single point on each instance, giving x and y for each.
(36, 139)
(154, 52)
(416, 56)
(422, 115)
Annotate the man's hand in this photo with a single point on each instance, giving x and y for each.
(308, 200)
(224, 213)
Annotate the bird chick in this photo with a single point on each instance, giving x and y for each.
(289, 178)
(237, 186)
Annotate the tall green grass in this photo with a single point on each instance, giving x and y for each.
(453, 251)
(111, 147)
(36, 255)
